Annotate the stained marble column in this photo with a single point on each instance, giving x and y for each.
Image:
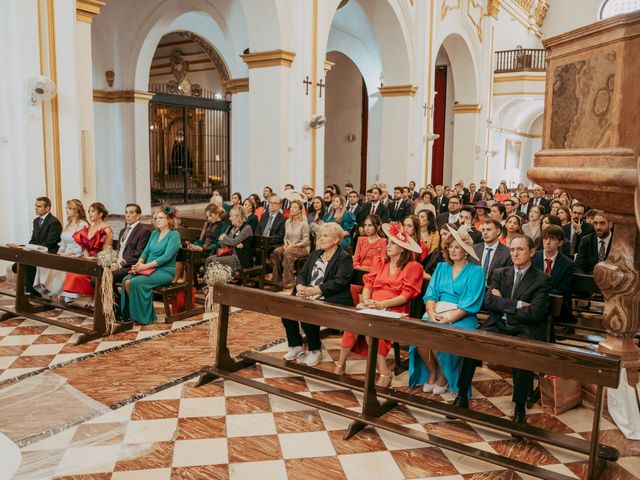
(591, 147)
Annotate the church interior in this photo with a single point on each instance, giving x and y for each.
(262, 240)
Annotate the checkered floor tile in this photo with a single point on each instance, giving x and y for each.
(227, 430)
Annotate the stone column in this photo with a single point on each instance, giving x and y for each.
(239, 88)
(396, 156)
(590, 148)
(465, 157)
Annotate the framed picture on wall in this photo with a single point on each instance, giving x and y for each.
(512, 154)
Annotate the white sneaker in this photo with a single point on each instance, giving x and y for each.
(437, 390)
(312, 358)
(293, 353)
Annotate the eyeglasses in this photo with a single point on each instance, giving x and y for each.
(274, 203)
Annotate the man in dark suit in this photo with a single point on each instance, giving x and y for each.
(353, 203)
(46, 233)
(576, 230)
(453, 215)
(556, 265)
(525, 203)
(399, 208)
(131, 241)
(272, 223)
(473, 196)
(309, 193)
(510, 205)
(491, 252)
(595, 247)
(441, 201)
(517, 301)
(266, 193)
(375, 206)
(538, 198)
(412, 189)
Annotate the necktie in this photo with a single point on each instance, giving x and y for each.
(397, 206)
(125, 236)
(547, 268)
(574, 241)
(602, 253)
(373, 209)
(516, 282)
(41, 221)
(267, 229)
(486, 262)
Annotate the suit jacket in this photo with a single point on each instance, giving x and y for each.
(382, 211)
(526, 210)
(357, 212)
(47, 234)
(534, 288)
(443, 219)
(561, 278)
(475, 235)
(501, 257)
(138, 239)
(587, 256)
(277, 228)
(443, 206)
(471, 198)
(335, 286)
(543, 202)
(405, 209)
(587, 229)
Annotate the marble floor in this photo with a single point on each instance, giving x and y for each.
(132, 411)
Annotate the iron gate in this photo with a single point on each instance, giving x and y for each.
(188, 148)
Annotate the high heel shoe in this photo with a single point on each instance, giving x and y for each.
(428, 387)
(340, 369)
(384, 380)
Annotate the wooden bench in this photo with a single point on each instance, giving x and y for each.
(568, 362)
(192, 222)
(260, 252)
(23, 302)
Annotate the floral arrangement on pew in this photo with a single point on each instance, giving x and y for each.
(216, 274)
(106, 258)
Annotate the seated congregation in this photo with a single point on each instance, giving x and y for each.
(440, 254)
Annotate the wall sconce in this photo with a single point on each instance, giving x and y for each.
(110, 74)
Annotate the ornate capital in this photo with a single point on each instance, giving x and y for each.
(398, 91)
(540, 12)
(237, 85)
(87, 9)
(493, 8)
(122, 96)
(271, 58)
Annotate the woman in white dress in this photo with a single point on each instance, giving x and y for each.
(50, 282)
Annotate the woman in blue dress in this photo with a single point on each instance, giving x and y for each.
(339, 214)
(156, 267)
(454, 296)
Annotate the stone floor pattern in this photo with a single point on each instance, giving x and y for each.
(163, 427)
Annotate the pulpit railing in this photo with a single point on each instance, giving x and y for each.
(521, 60)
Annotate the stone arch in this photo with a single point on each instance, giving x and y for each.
(463, 66)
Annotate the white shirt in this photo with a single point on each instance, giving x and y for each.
(43, 217)
(493, 247)
(524, 272)
(123, 244)
(453, 217)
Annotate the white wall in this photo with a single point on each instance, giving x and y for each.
(566, 15)
(343, 109)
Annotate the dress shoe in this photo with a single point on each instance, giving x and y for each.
(462, 402)
(519, 417)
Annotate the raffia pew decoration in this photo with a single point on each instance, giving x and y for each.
(106, 258)
(216, 274)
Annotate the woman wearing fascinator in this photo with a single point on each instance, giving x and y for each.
(156, 267)
(454, 296)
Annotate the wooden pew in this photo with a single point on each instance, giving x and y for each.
(568, 362)
(192, 222)
(260, 251)
(23, 302)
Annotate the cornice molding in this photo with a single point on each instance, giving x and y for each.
(521, 78)
(122, 96)
(237, 85)
(398, 90)
(270, 58)
(467, 108)
(328, 65)
(87, 9)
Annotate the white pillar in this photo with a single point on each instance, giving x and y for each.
(467, 159)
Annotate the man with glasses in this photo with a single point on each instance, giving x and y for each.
(538, 198)
(272, 223)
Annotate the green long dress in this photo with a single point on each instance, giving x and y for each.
(164, 252)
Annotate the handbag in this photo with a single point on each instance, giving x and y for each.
(146, 272)
(557, 395)
(224, 251)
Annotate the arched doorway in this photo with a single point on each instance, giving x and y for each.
(455, 114)
(188, 121)
(346, 109)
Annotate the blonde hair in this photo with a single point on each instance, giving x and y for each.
(79, 208)
(338, 214)
(238, 210)
(171, 220)
(301, 214)
(333, 229)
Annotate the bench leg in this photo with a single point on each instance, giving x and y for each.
(370, 404)
(166, 300)
(595, 464)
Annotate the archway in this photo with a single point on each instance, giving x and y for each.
(455, 112)
(188, 120)
(346, 109)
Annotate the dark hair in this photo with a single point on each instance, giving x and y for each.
(323, 208)
(289, 185)
(455, 197)
(470, 209)
(376, 221)
(431, 220)
(501, 209)
(566, 211)
(135, 206)
(238, 194)
(426, 192)
(591, 213)
(553, 220)
(255, 199)
(369, 190)
(494, 222)
(540, 209)
(553, 231)
(253, 205)
(270, 189)
(100, 208)
(530, 243)
(348, 184)
(416, 226)
(45, 200)
(336, 188)
(517, 217)
(578, 204)
(510, 200)
(212, 209)
(406, 256)
(397, 188)
(378, 189)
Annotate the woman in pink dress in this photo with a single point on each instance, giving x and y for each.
(369, 246)
(394, 280)
(92, 239)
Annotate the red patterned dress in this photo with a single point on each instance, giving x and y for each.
(81, 284)
(383, 286)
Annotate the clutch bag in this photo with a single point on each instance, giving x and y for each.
(446, 308)
(146, 272)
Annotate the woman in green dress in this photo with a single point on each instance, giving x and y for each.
(159, 256)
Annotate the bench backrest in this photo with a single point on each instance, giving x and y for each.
(189, 234)
(565, 361)
(192, 222)
(53, 261)
(584, 284)
(261, 247)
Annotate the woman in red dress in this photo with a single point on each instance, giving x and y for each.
(394, 280)
(92, 239)
(369, 246)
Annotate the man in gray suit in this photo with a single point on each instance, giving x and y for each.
(491, 252)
